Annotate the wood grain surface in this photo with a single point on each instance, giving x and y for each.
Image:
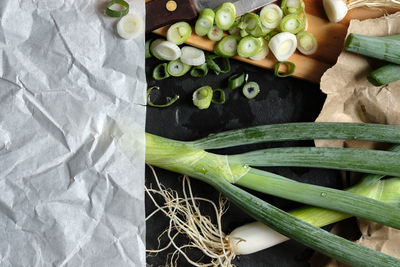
(330, 37)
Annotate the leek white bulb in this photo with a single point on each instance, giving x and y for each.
(336, 10)
(283, 45)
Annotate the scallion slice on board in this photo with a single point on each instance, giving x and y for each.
(199, 71)
(248, 46)
(160, 72)
(271, 16)
(227, 47)
(283, 45)
(166, 50)
(170, 101)
(117, 8)
(236, 80)
(251, 90)
(292, 6)
(384, 75)
(177, 68)
(202, 97)
(204, 22)
(210, 60)
(192, 56)
(225, 16)
(130, 26)
(292, 23)
(251, 21)
(215, 33)
(221, 99)
(306, 43)
(291, 67)
(179, 32)
(263, 51)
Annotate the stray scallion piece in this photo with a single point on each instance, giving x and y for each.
(292, 23)
(202, 97)
(236, 80)
(221, 99)
(165, 50)
(210, 60)
(177, 68)
(147, 48)
(215, 33)
(291, 67)
(251, 90)
(117, 8)
(227, 47)
(179, 32)
(199, 71)
(204, 22)
(225, 16)
(170, 101)
(384, 75)
(306, 43)
(192, 56)
(160, 72)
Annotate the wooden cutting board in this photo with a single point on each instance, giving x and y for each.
(330, 37)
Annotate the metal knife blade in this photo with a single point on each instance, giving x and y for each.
(242, 6)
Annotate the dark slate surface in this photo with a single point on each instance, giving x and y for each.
(280, 100)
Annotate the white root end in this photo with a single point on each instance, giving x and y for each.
(336, 10)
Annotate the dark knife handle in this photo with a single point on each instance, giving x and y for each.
(163, 12)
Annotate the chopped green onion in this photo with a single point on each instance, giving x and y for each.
(177, 68)
(244, 33)
(259, 31)
(269, 35)
(179, 32)
(210, 60)
(192, 56)
(271, 15)
(111, 8)
(335, 10)
(384, 75)
(236, 80)
(384, 48)
(147, 47)
(251, 90)
(263, 52)
(221, 99)
(291, 68)
(153, 45)
(160, 72)
(215, 33)
(170, 101)
(166, 50)
(306, 43)
(227, 47)
(199, 71)
(292, 23)
(283, 45)
(292, 6)
(225, 16)
(248, 46)
(204, 22)
(234, 30)
(202, 97)
(130, 26)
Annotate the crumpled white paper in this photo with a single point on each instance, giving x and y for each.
(69, 86)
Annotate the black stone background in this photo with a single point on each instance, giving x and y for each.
(280, 100)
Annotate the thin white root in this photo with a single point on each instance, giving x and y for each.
(372, 3)
(186, 219)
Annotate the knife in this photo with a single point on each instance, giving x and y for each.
(163, 12)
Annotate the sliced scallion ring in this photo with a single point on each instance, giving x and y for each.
(244, 33)
(248, 46)
(215, 33)
(291, 67)
(204, 22)
(292, 23)
(251, 90)
(263, 52)
(153, 44)
(227, 47)
(306, 43)
(283, 45)
(192, 56)
(292, 6)
(251, 20)
(177, 68)
(225, 16)
(199, 71)
(117, 8)
(221, 99)
(210, 60)
(160, 72)
(147, 48)
(236, 80)
(271, 16)
(202, 97)
(270, 35)
(179, 32)
(167, 50)
(170, 100)
(130, 26)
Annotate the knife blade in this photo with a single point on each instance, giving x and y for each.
(163, 12)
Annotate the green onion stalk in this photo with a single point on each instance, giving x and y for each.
(225, 172)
